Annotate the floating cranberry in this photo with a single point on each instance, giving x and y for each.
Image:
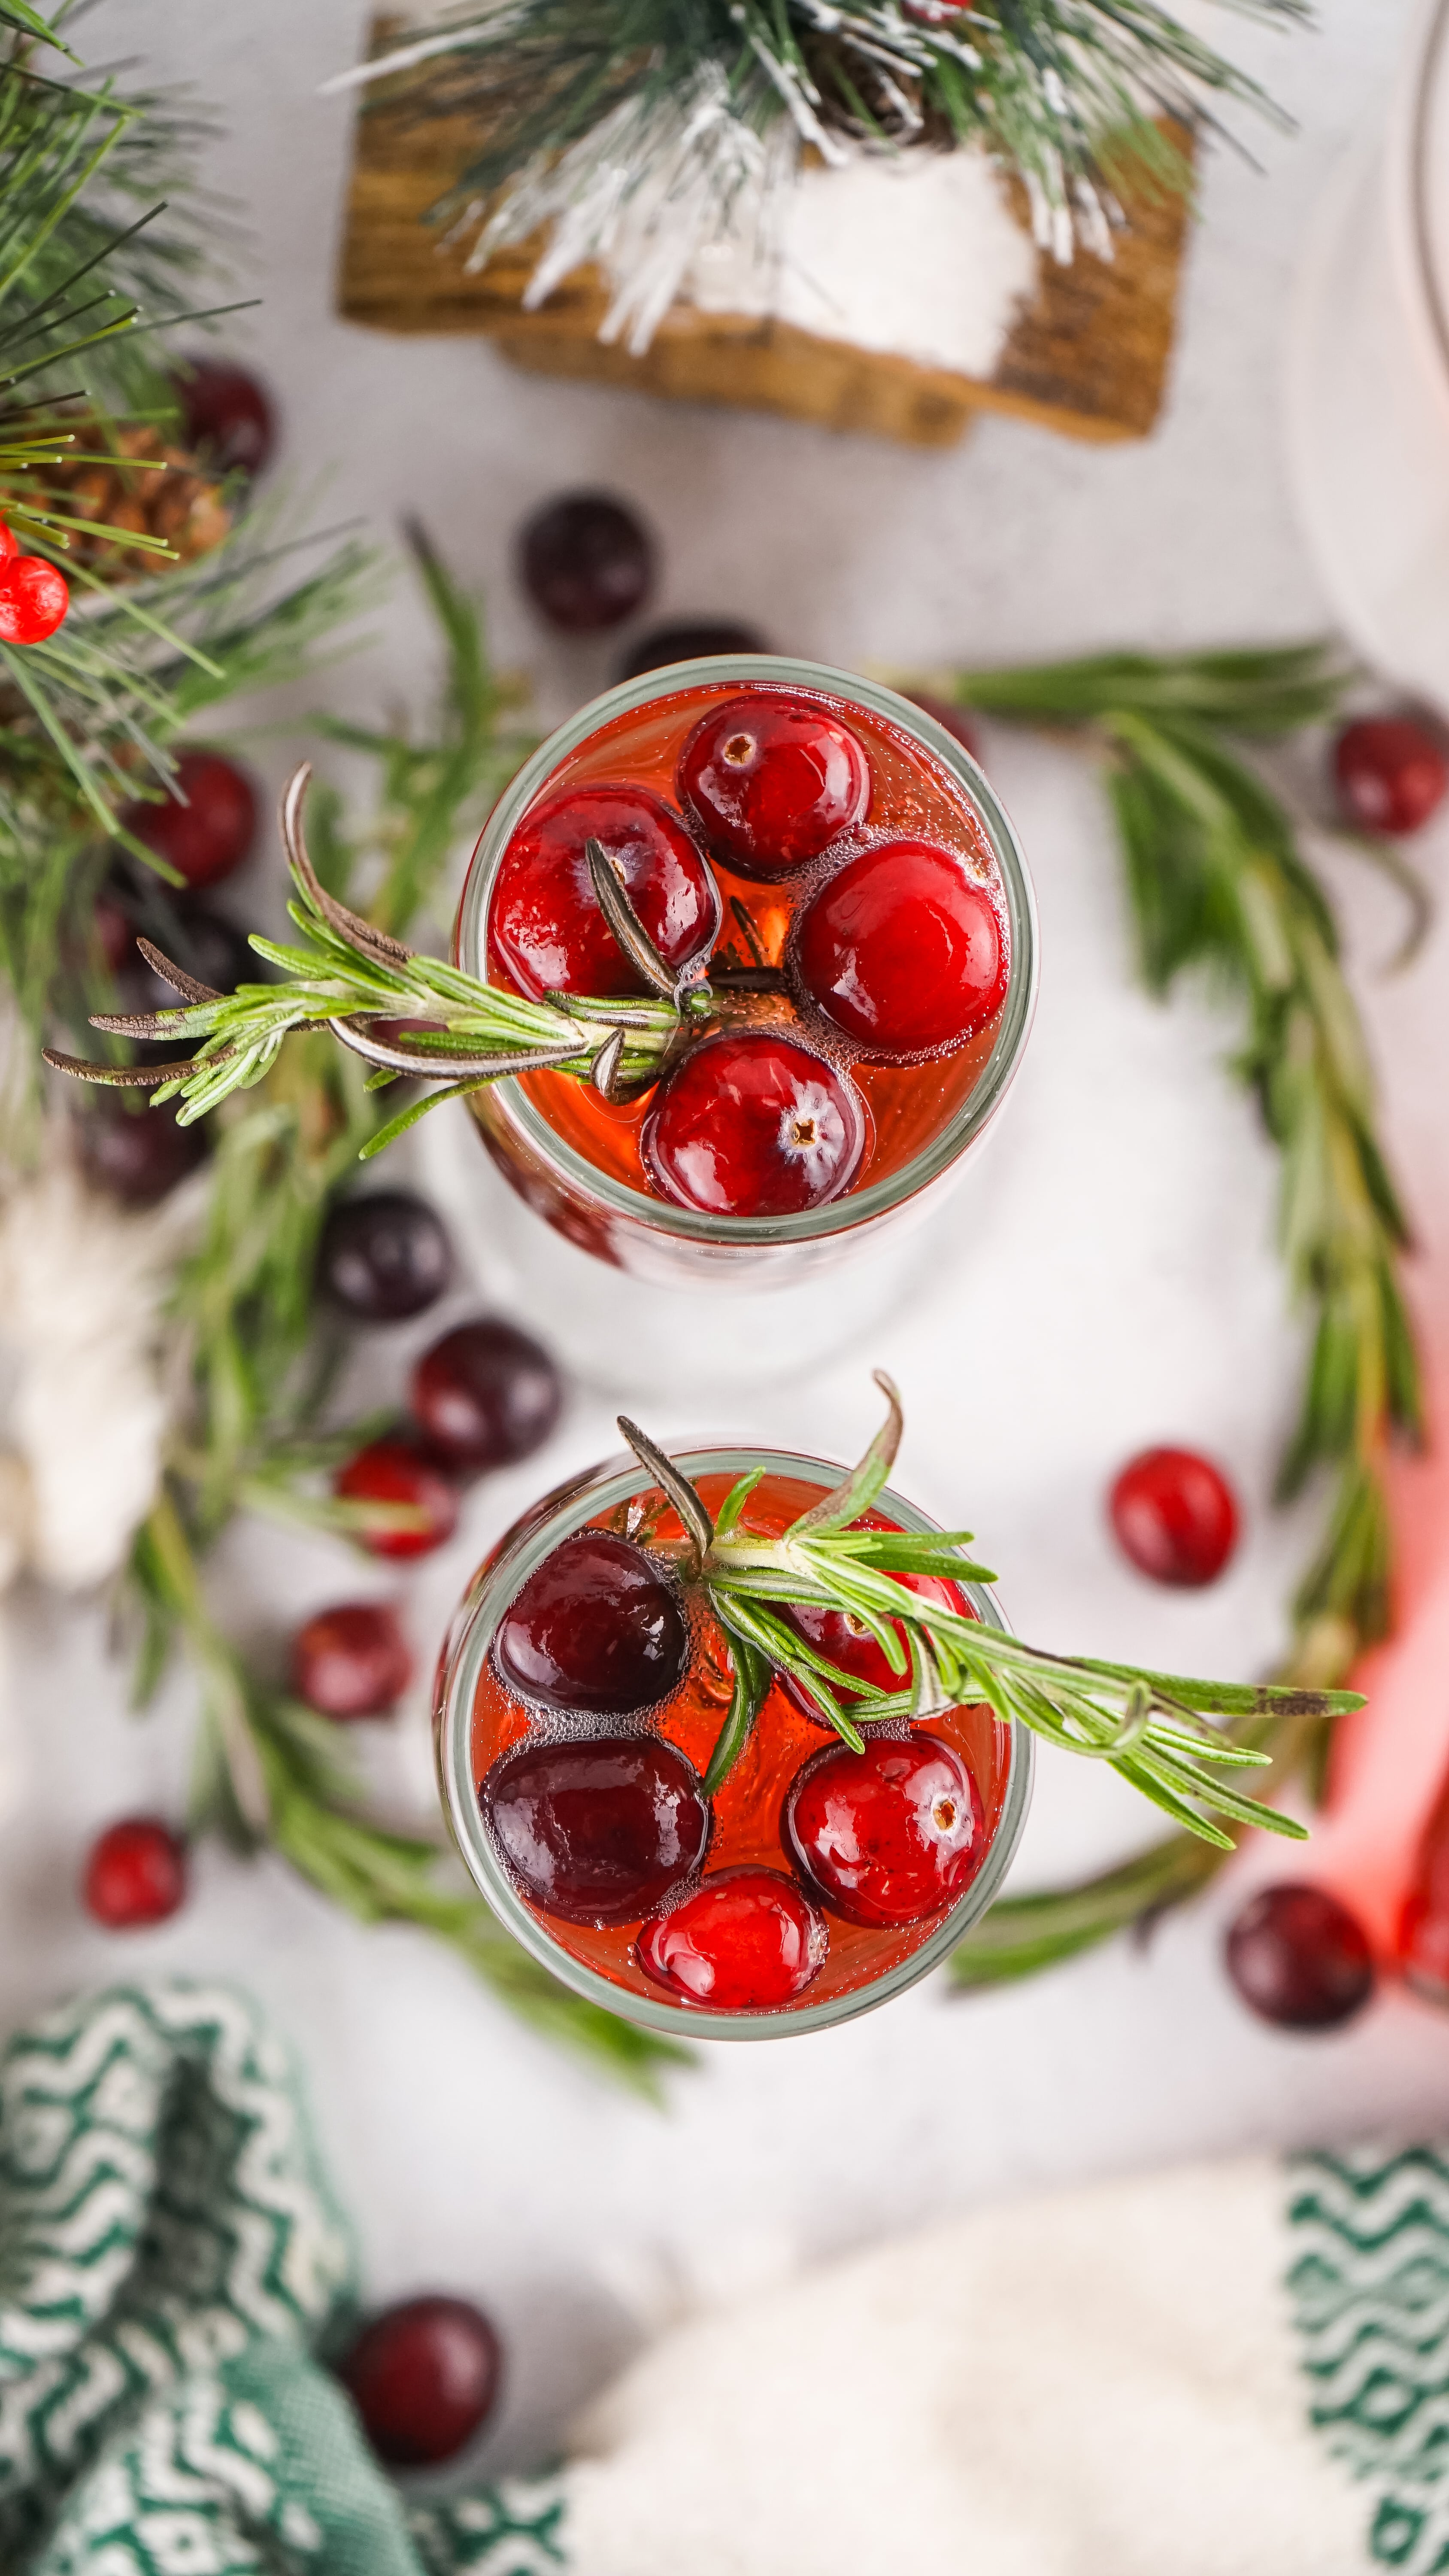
(688, 643)
(424, 2376)
(34, 597)
(843, 1641)
(597, 1627)
(206, 826)
(136, 1154)
(888, 1835)
(1299, 1958)
(545, 921)
(598, 1830)
(1174, 1516)
(754, 1126)
(486, 1395)
(227, 416)
(747, 1940)
(943, 711)
(352, 1660)
(585, 562)
(902, 951)
(770, 779)
(384, 1256)
(1391, 773)
(395, 1470)
(136, 1874)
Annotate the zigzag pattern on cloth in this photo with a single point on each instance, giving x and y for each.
(1369, 2283)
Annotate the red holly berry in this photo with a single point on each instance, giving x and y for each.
(598, 1829)
(137, 1155)
(228, 416)
(889, 1835)
(383, 1256)
(770, 779)
(1391, 773)
(136, 1874)
(755, 1125)
(486, 1395)
(352, 1660)
(545, 921)
(1174, 1516)
(34, 597)
(206, 826)
(745, 1941)
(424, 2376)
(395, 1470)
(902, 951)
(1299, 1958)
(597, 1627)
(688, 642)
(943, 711)
(585, 562)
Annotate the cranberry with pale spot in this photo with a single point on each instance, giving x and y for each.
(903, 951)
(545, 924)
(754, 1125)
(1391, 773)
(424, 2377)
(135, 1874)
(771, 779)
(351, 1660)
(1175, 1516)
(397, 1471)
(597, 1829)
(887, 1836)
(746, 1940)
(598, 1628)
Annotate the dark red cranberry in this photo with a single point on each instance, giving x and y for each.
(889, 1835)
(424, 2376)
(1391, 773)
(754, 1126)
(545, 922)
(1175, 1516)
(136, 1155)
(226, 415)
(688, 643)
(943, 711)
(844, 1642)
(585, 562)
(486, 1395)
(747, 1940)
(901, 951)
(598, 1830)
(352, 1660)
(597, 1627)
(206, 826)
(384, 1256)
(136, 1874)
(1299, 1958)
(395, 1470)
(771, 778)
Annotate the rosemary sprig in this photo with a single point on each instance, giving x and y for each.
(1153, 1728)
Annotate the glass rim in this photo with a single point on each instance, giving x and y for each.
(552, 1520)
(853, 1208)
(1432, 67)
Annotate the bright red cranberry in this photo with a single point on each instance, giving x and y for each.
(585, 562)
(1174, 1516)
(597, 1627)
(545, 921)
(771, 779)
(754, 1126)
(384, 1256)
(1391, 773)
(136, 1874)
(352, 1660)
(34, 597)
(1423, 1941)
(136, 1154)
(486, 1395)
(598, 1829)
(902, 952)
(206, 827)
(688, 643)
(395, 1470)
(943, 711)
(1299, 1958)
(747, 1940)
(227, 416)
(424, 2376)
(889, 1835)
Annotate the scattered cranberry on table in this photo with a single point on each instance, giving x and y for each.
(135, 1875)
(754, 1125)
(34, 594)
(1299, 1958)
(586, 562)
(888, 1835)
(747, 1940)
(771, 779)
(351, 1660)
(395, 1470)
(1175, 1516)
(137, 1155)
(424, 2377)
(383, 1256)
(206, 827)
(485, 1396)
(901, 951)
(596, 1628)
(545, 921)
(1391, 773)
(227, 416)
(598, 1829)
(694, 641)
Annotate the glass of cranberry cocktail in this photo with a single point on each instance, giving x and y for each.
(847, 920)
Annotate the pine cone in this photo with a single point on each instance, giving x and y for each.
(182, 506)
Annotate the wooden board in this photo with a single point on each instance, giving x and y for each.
(1087, 354)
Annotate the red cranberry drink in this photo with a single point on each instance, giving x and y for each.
(831, 896)
(736, 1740)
